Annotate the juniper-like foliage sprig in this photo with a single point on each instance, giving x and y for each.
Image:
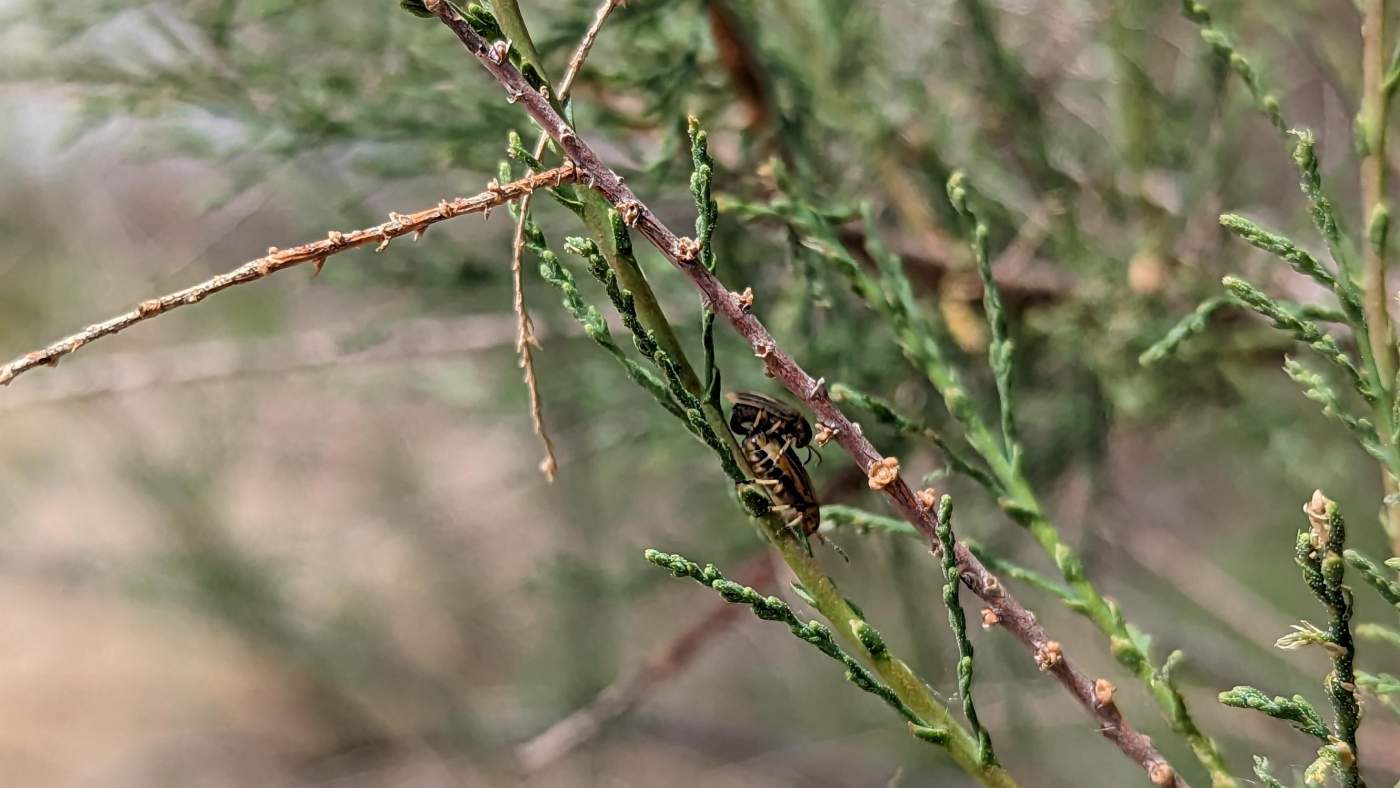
(1316, 388)
(690, 405)
(1001, 350)
(1298, 259)
(706, 216)
(588, 316)
(1223, 47)
(771, 608)
(1305, 331)
(957, 621)
(1264, 772)
(1187, 327)
(1320, 207)
(1198, 320)
(1319, 554)
(1373, 574)
(1295, 710)
(885, 412)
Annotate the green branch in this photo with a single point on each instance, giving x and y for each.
(818, 635)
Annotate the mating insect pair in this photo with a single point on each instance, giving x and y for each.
(770, 434)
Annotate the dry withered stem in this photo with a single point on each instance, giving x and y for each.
(275, 260)
(525, 339)
(779, 365)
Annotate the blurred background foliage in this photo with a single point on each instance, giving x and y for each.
(295, 536)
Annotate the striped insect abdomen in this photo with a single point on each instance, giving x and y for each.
(778, 468)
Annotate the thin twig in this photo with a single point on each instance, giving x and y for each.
(525, 339)
(1095, 697)
(277, 259)
(625, 693)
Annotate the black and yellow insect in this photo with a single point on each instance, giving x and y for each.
(775, 466)
(755, 413)
(770, 434)
(759, 414)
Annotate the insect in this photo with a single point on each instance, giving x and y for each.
(776, 467)
(771, 432)
(758, 414)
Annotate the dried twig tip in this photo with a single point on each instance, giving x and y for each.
(1317, 511)
(883, 472)
(1049, 655)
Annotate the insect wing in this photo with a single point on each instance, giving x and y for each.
(756, 413)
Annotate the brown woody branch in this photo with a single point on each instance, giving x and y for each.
(276, 259)
(1095, 696)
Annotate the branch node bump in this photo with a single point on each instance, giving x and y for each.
(992, 587)
(883, 473)
(928, 498)
(499, 52)
(1103, 692)
(687, 249)
(745, 299)
(1049, 655)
